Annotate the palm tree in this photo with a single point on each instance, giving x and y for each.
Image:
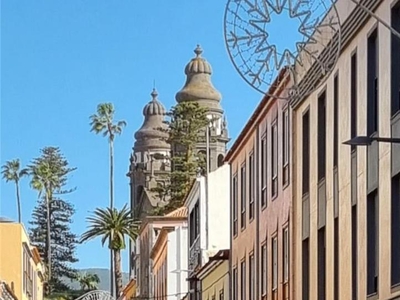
(113, 226)
(88, 281)
(45, 181)
(103, 122)
(12, 172)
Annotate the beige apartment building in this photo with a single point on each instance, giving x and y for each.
(346, 204)
(261, 200)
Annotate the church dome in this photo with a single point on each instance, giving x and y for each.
(198, 64)
(154, 107)
(152, 134)
(198, 86)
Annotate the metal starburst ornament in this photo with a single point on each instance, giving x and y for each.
(265, 36)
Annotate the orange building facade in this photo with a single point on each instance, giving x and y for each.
(261, 198)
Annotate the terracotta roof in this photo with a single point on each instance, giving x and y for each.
(178, 213)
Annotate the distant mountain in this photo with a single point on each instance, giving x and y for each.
(104, 275)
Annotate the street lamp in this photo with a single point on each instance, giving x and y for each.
(367, 140)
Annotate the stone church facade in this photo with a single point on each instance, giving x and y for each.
(149, 163)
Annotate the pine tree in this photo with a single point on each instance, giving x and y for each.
(186, 128)
(62, 240)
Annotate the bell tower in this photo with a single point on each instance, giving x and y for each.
(199, 88)
(149, 159)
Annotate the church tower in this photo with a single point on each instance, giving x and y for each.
(149, 161)
(199, 88)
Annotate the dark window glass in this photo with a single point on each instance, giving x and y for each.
(285, 255)
(372, 243)
(251, 278)
(336, 259)
(285, 146)
(264, 171)
(335, 119)
(395, 61)
(395, 224)
(235, 284)
(243, 196)
(372, 86)
(321, 264)
(274, 264)
(274, 159)
(321, 136)
(251, 186)
(235, 204)
(353, 95)
(354, 249)
(306, 152)
(264, 260)
(243, 280)
(306, 270)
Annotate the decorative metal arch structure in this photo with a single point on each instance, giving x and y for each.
(310, 35)
(96, 295)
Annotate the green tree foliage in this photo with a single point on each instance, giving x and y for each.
(87, 281)
(186, 128)
(113, 226)
(50, 225)
(12, 171)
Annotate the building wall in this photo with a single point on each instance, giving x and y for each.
(216, 282)
(345, 199)
(177, 263)
(218, 212)
(269, 218)
(12, 239)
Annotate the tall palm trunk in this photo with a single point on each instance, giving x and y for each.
(118, 273)
(48, 236)
(112, 278)
(18, 201)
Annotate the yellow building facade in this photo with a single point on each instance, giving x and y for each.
(214, 277)
(21, 267)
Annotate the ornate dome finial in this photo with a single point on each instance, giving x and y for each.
(154, 94)
(198, 51)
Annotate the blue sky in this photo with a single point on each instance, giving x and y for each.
(59, 59)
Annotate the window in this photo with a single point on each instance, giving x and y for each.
(372, 243)
(306, 152)
(221, 294)
(235, 204)
(235, 284)
(321, 136)
(335, 119)
(285, 146)
(336, 259)
(251, 186)
(213, 297)
(372, 83)
(306, 270)
(354, 249)
(28, 272)
(251, 278)
(264, 171)
(243, 280)
(194, 223)
(243, 196)
(274, 159)
(395, 224)
(274, 264)
(395, 62)
(353, 95)
(285, 255)
(321, 264)
(264, 261)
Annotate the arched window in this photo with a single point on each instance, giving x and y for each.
(220, 160)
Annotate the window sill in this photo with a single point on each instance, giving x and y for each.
(395, 288)
(374, 296)
(274, 196)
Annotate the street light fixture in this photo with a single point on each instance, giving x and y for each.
(367, 140)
